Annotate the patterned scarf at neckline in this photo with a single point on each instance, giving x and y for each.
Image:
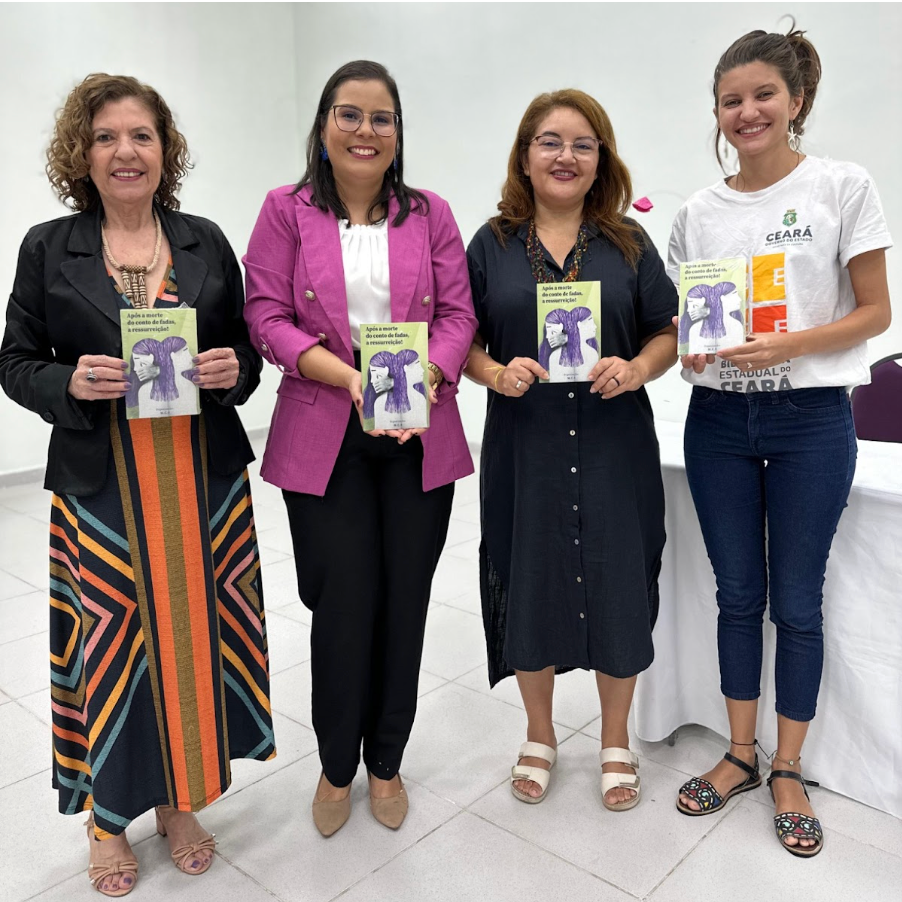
(539, 265)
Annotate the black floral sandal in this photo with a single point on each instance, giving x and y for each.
(791, 823)
(708, 798)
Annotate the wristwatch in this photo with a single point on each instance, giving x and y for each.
(439, 375)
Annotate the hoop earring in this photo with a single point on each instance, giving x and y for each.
(323, 154)
(795, 141)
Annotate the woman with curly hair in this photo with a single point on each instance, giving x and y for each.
(158, 654)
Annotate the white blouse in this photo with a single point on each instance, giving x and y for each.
(364, 253)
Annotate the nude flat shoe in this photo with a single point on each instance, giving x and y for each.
(330, 816)
(390, 812)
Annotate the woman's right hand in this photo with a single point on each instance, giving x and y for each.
(355, 390)
(695, 362)
(516, 378)
(110, 380)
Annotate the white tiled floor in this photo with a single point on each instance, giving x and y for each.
(466, 837)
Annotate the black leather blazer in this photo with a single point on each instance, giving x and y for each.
(62, 306)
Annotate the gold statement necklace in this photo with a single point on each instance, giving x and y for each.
(133, 277)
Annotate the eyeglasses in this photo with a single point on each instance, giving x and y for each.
(349, 119)
(581, 148)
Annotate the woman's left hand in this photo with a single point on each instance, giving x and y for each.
(216, 368)
(761, 351)
(613, 376)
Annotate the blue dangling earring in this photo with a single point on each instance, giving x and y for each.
(395, 164)
(324, 154)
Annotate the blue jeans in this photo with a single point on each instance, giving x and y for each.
(781, 461)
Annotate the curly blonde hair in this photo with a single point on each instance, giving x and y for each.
(73, 136)
(609, 197)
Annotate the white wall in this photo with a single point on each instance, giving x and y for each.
(467, 71)
(243, 80)
(226, 71)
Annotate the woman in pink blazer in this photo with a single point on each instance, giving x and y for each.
(352, 244)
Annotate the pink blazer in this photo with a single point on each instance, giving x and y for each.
(296, 298)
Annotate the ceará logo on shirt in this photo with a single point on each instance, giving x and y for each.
(788, 234)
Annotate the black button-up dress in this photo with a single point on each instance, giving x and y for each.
(571, 491)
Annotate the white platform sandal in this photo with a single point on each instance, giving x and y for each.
(531, 772)
(620, 781)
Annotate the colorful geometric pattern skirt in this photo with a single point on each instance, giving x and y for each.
(159, 666)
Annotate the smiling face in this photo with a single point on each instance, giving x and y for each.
(126, 158)
(360, 156)
(754, 109)
(561, 182)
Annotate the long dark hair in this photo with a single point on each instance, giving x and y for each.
(319, 172)
(792, 55)
(608, 198)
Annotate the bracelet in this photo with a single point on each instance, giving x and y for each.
(500, 370)
(436, 371)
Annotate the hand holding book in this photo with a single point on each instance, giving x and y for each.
(216, 368)
(762, 351)
(613, 376)
(514, 380)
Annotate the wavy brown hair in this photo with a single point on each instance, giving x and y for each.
(606, 202)
(73, 136)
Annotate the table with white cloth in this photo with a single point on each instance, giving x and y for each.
(854, 746)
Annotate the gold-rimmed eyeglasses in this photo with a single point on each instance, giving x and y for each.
(349, 119)
(552, 146)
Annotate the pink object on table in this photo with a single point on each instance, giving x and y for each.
(643, 205)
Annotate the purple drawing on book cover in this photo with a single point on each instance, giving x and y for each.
(163, 385)
(705, 302)
(394, 382)
(565, 329)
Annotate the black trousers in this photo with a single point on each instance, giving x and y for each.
(365, 555)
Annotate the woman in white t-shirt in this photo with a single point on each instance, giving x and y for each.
(769, 441)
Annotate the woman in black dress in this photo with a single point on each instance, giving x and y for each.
(572, 498)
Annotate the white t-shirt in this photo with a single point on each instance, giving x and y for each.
(364, 253)
(798, 236)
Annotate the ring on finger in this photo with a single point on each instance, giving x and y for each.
(91, 377)
(616, 380)
(519, 383)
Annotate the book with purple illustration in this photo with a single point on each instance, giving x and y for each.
(568, 315)
(159, 346)
(393, 361)
(713, 304)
